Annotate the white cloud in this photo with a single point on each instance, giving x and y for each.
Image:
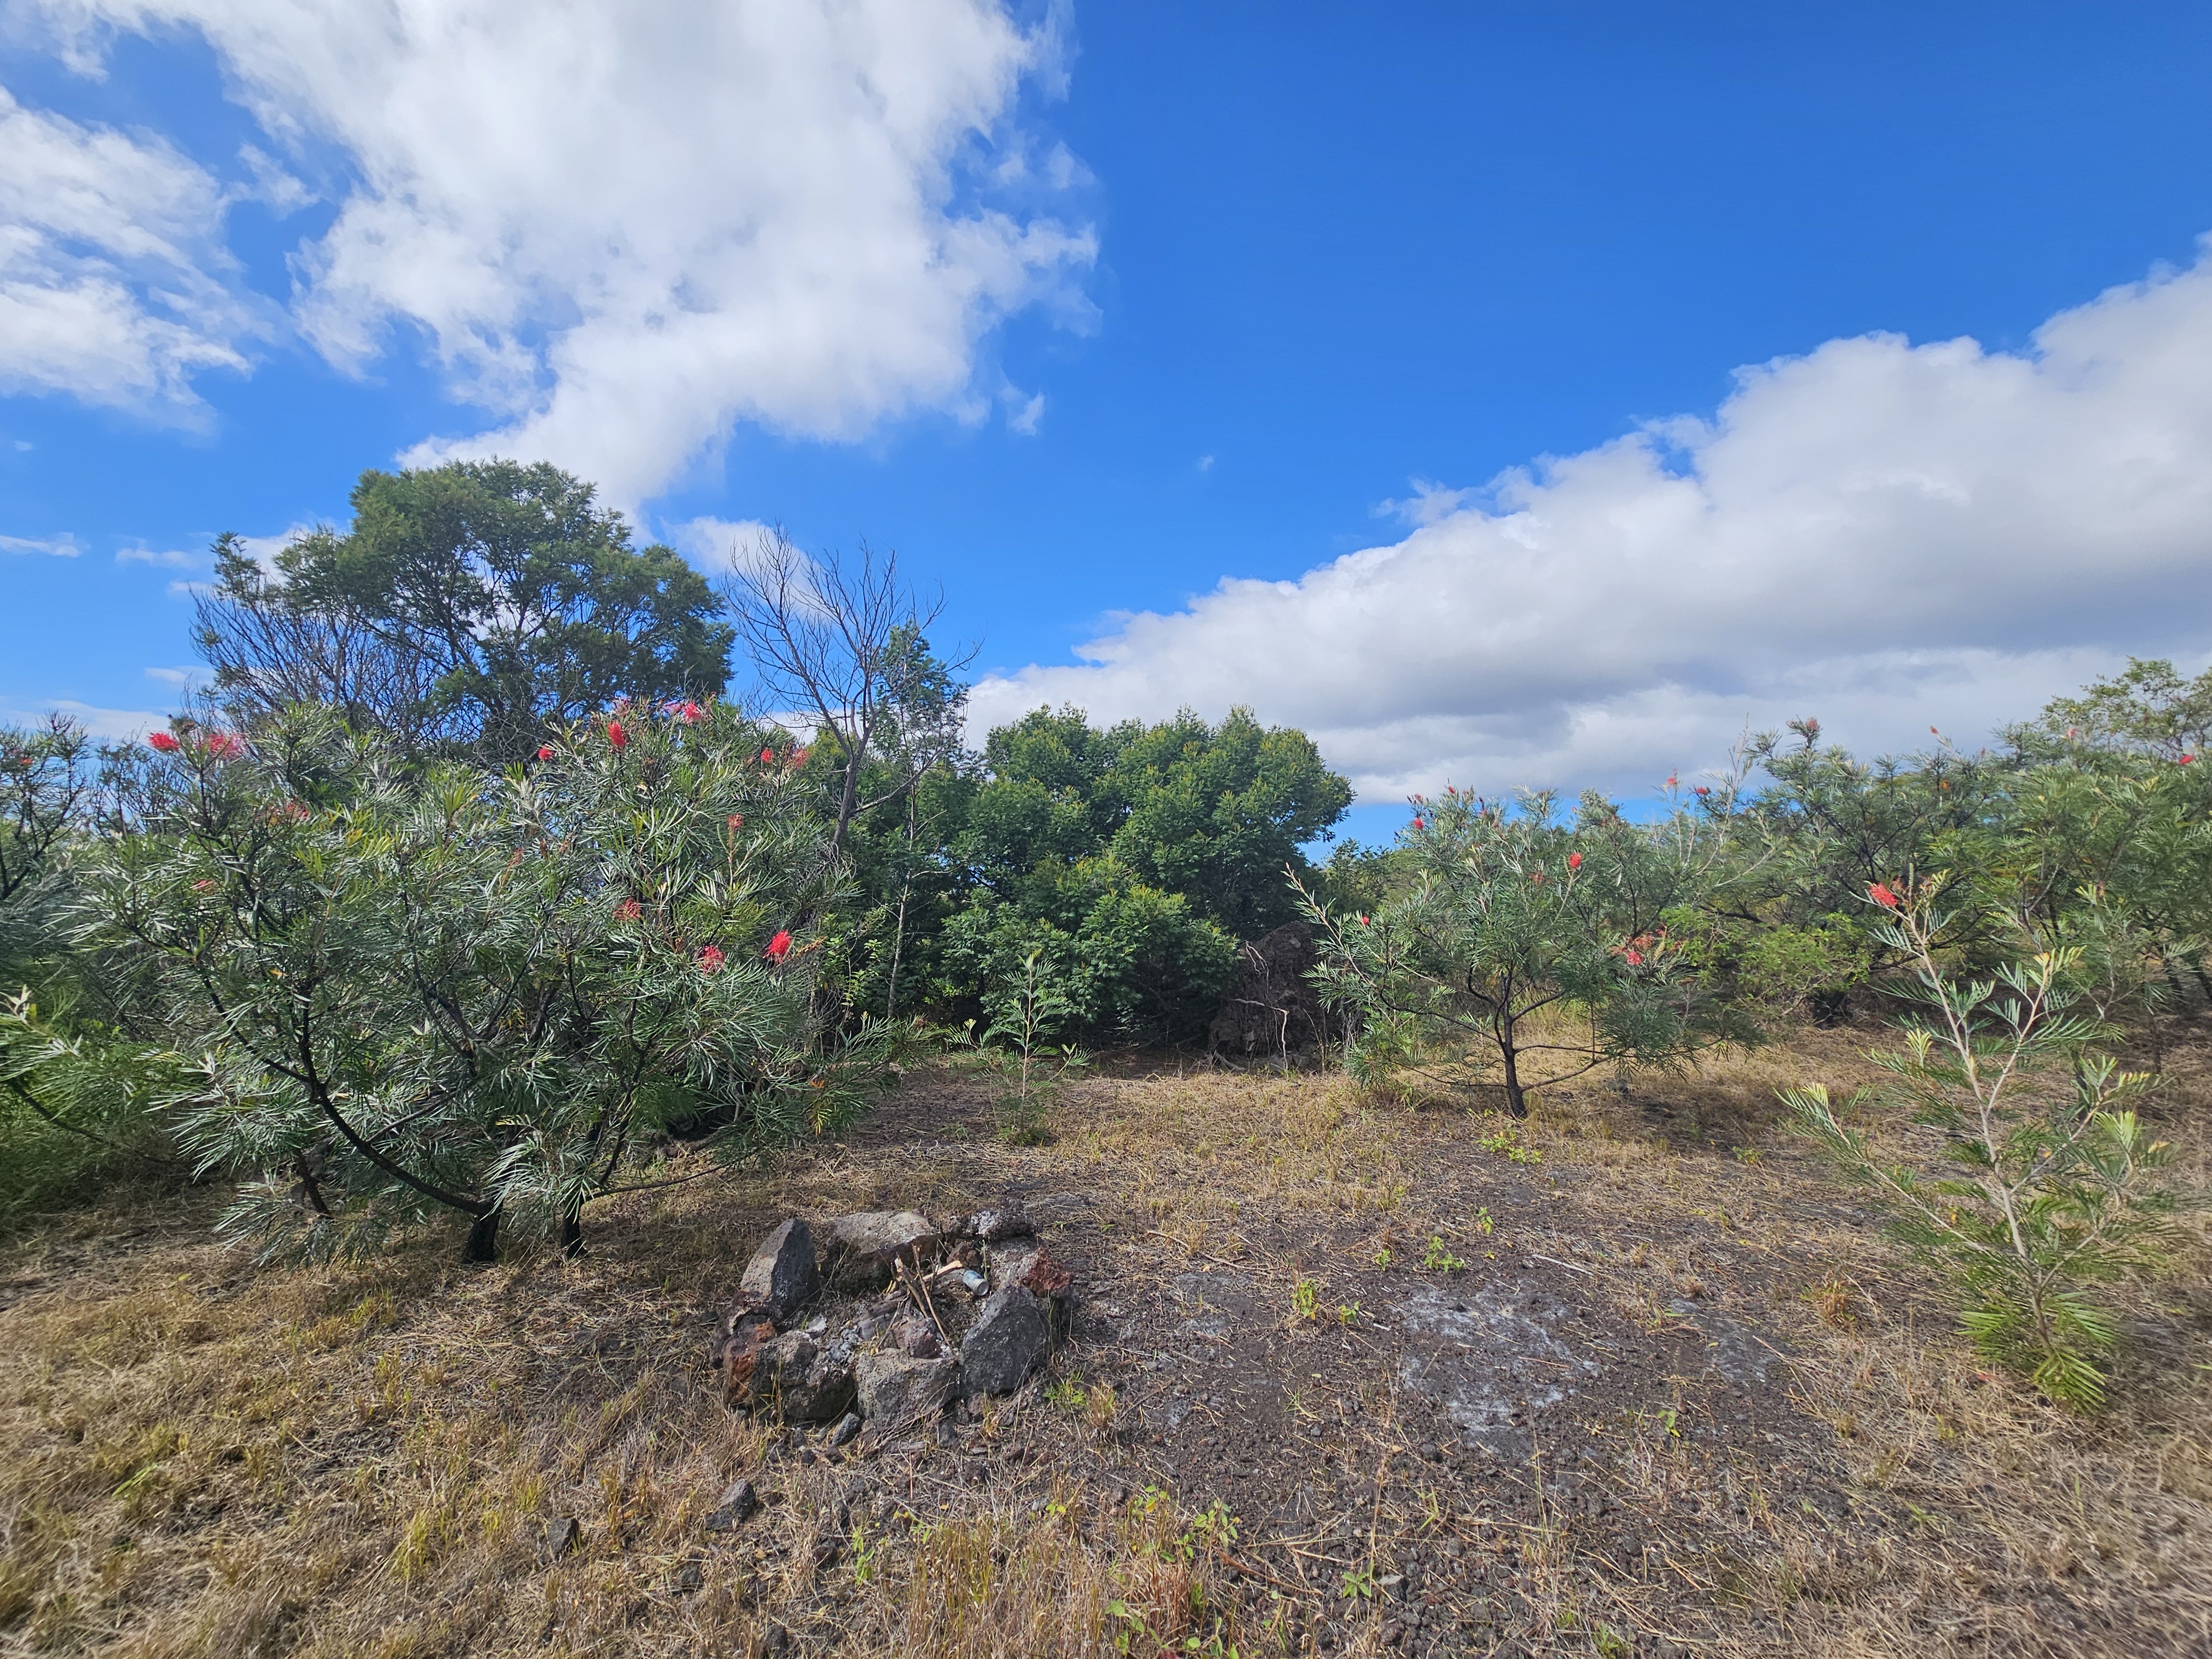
(1883, 535)
(717, 546)
(114, 284)
(174, 558)
(624, 226)
(119, 724)
(191, 674)
(60, 547)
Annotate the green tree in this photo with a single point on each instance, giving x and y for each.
(481, 604)
(408, 991)
(1519, 942)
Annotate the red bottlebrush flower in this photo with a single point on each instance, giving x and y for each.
(628, 911)
(799, 757)
(202, 885)
(164, 742)
(1635, 957)
(778, 947)
(545, 752)
(1880, 895)
(1702, 790)
(2188, 760)
(221, 745)
(1363, 921)
(735, 818)
(768, 757)
(1574, 860)
(1671, 780)
(688, 714)
(710, 959)
(1419, 823)
(616, 735)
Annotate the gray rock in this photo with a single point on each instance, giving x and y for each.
(1011, 1338)
(1009, 1220)
(896, 1390)
(737, 1505)
(782, 1275)
(794, 1377)
(915, 1337)
(868, 1245)
(848, 1427)
(562, 1533)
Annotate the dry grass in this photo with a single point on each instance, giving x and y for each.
(199, 1458)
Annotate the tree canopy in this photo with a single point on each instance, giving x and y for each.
(479, 605)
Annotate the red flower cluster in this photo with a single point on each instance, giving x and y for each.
(628, 911)
(710, 959)
(545, 752)
(1702, 790)
(222, 745)
(688, 712)
(768, 757)
(165, 743)
(735, 818)
(1574, 860)
(778, 947)
(799, 757)
(616, 735)
(1880, 895)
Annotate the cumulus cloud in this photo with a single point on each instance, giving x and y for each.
(115, 286)
(1882, 534)
(622, 225)
(718, 546)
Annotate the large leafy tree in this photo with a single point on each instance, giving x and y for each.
(481, 604)
(412, 990)
(1213, 812)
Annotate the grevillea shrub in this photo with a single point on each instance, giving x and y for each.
(411, 991)
(2026, 1177)
(1518, 946)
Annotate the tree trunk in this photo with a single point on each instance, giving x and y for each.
(1516, 1097)
(483, 1246)
(572, 1233)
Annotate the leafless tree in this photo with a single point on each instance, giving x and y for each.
(842, 641)
(269, 651)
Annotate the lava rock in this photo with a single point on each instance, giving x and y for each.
(1010, 1339)
(744, 1333)
(563, 1534)
(783, 1274)
(1028, 1264)
(894, 1390)
(915, 1337)
(1009, 1220)
(868, 1246)
(848, 1428)
(737, 1505)
(794, 1377)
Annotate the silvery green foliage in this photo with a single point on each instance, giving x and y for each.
(401, 990)
(2035, 1179)
(1521, 946)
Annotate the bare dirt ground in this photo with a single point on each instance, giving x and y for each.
(1348, 1377)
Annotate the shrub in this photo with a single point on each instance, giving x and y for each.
(2032, 1187)
(414, 991)
(1519, 941)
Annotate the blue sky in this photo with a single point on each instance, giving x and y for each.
(1088, 311)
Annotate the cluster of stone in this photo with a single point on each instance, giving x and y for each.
(894, 1318)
